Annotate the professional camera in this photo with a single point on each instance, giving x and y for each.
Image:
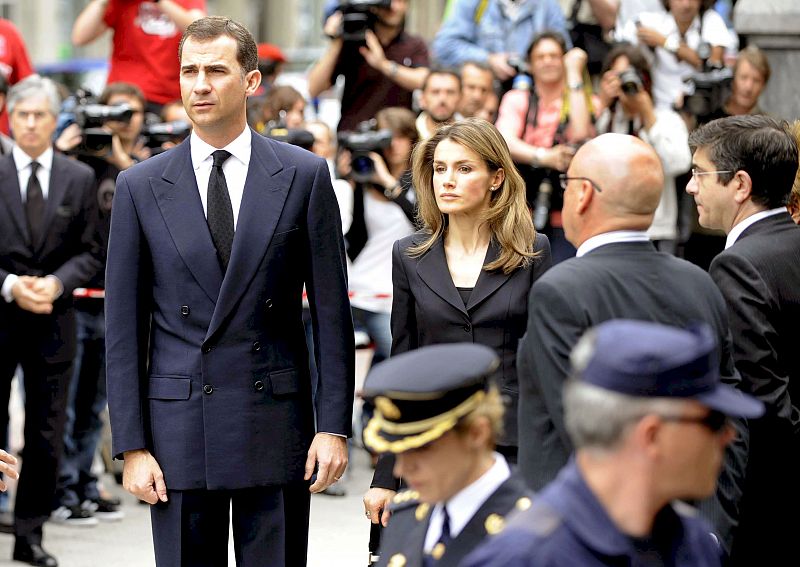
(277, 130)
(82, 109)
(365, 139)
(707, 91)
(357, 18)
(630, 81)
(156, 135)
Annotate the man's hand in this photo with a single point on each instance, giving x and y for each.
(642, 105)
(558, 157)
(6, 462)
(119, 157)
(142, 477)
(70, 137)
(377, 500)
(650, 37)
(381, 176)
(373, 53)
(333, 25)
(575, 60)
(329, 452)
(26, 296)
(500, 67)
(48, 287)
(610, 88)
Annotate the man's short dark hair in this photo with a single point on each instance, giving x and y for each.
(441, 71)
(122, 88)
(757, 144)
(543, 35)
(482, 65)
(212, 27)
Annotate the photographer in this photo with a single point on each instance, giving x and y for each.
(80, 501)
(380, 71)
(683, 40)
(383, 209)
(282, 104)
(625, 95)
(439, 100)
(750, 76)
(542, 124)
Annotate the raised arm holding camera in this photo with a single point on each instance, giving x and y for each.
(381, 63)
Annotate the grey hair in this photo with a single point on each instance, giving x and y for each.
(597, 418)
(33, 86)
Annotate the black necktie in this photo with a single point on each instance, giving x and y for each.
(220, 211)
(441, 546)
(34, 205)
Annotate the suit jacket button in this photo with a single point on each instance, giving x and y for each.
(268, 304)
(207, 349)
(256, 346)
(258, 385)
(468, 328)
(185, 310)
(207, 389)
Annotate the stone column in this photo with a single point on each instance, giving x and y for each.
(774, 26)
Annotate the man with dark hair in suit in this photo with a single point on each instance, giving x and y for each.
(611, 191)
(207, 366)
(744, 168)
(48, 247)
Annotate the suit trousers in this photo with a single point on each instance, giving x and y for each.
(45, 413)
(270, 527)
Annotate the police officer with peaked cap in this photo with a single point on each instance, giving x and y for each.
(647, 414)
(436, 410)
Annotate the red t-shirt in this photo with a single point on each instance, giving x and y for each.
(15, 64)
(145, 47)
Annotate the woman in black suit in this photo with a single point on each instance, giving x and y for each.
(466, 275)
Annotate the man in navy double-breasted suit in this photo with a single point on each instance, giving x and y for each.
(208, 376)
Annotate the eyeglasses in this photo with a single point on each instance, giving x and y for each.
(563, 179)
(714, 420)
(696, 172)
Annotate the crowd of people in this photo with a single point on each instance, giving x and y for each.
(587, 193)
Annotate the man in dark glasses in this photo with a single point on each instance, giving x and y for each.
(647, 414)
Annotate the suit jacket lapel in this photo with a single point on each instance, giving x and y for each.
(179, 200)
(432, 269)
(10, 193)
(265, 191)
(488, 282)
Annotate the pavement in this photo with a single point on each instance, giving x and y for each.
(338, 534)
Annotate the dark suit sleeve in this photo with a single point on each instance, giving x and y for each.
(127, 323)
(326, 285)
(756, 346)
(82, 267)
(404, 321)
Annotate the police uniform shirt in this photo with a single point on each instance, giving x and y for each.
(463, 506)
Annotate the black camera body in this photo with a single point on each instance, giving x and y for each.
(708, 91)
(357, 18)
(294, 136)
(159, 133)
(630, 81)
(365, 139)
(82, 109)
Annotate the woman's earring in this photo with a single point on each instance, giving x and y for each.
(493, 188)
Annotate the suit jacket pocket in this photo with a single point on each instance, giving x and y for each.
(170, 387)
(284, 382)
(281, 237)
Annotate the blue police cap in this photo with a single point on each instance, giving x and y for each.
(421, 394)
(646, 359)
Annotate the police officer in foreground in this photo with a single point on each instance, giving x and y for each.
(647, 414)
(437, 412)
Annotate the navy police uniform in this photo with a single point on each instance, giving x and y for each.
(419, 396)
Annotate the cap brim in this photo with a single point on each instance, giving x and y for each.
(731, 401)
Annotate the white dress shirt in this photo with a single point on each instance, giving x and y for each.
(23, 162)
(463, 506)
(613, 237)
(737, 230)
(234, 168)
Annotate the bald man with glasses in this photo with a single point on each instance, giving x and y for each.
(611, 191)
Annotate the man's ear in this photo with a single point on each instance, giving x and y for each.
(745, 186)
(252, 81)
(584, 196)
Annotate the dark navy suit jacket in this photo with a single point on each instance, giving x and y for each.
(210, 372)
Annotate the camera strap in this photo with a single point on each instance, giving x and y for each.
(532, 116)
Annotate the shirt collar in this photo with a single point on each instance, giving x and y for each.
(23, 160)
(239, 148)
(737, 230)
(463, 506)
(613, 237)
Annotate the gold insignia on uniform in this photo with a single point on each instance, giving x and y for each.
(523, 503)
(387, 407)
(421, 512)
(397, 560)
(437, 551)
(494, 524)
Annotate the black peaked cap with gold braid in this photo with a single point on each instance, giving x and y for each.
(421, 394)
